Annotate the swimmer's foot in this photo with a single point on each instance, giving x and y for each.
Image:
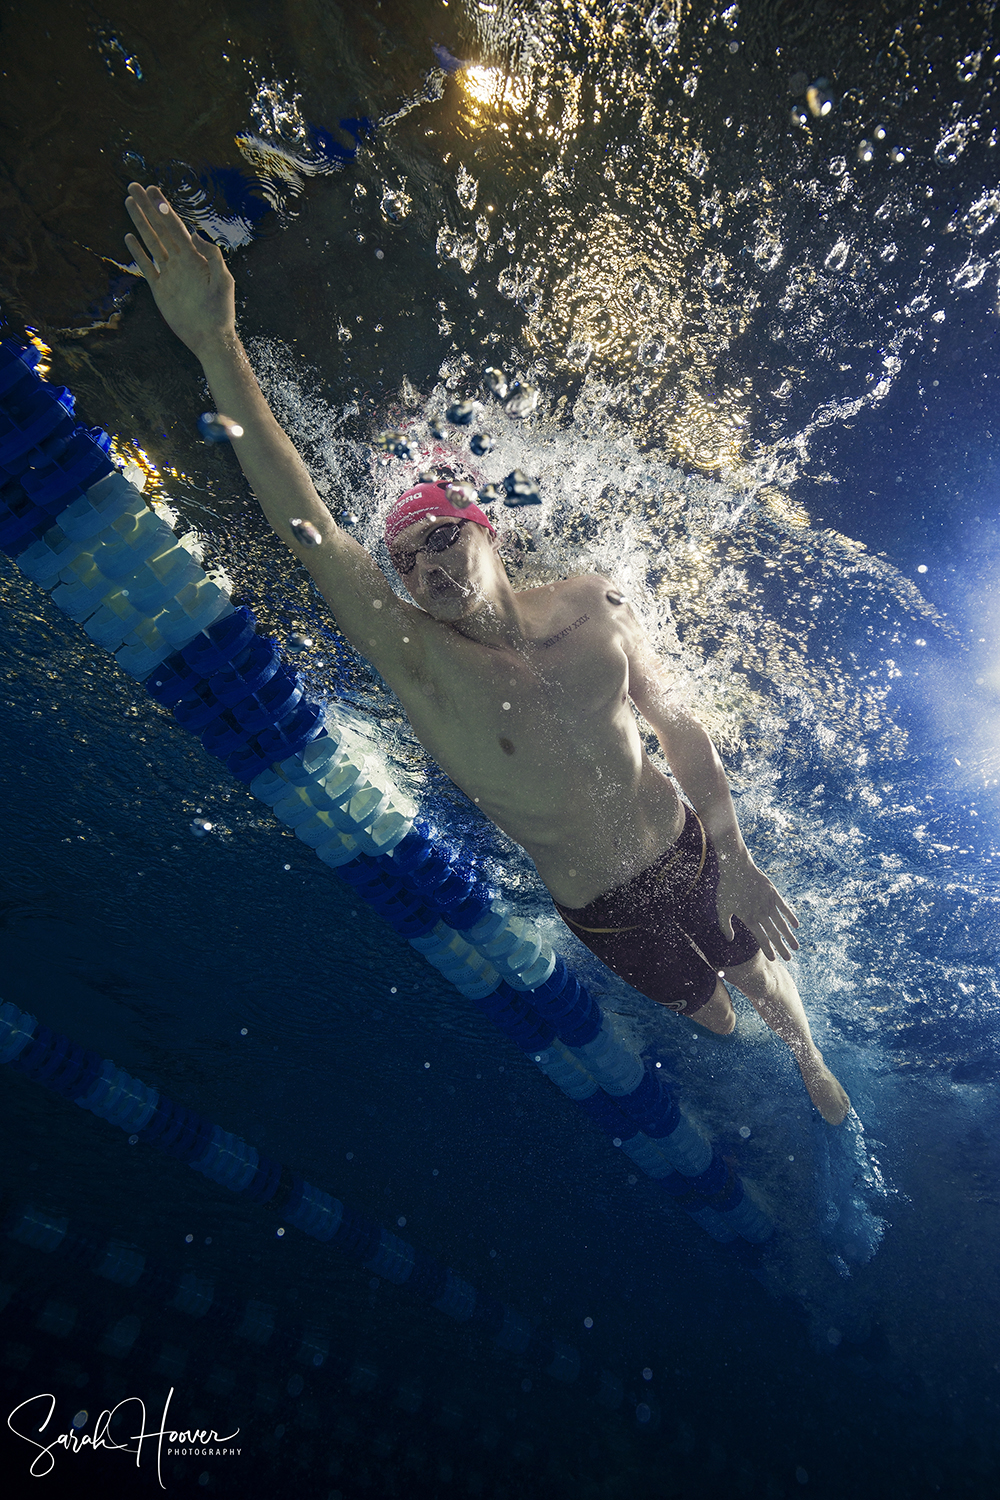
(824, 1090)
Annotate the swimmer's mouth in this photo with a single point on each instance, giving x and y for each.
(443, 583)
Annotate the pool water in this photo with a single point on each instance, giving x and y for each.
(763, 334)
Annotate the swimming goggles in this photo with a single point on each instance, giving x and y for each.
(438, 540)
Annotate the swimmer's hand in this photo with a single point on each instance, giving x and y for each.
(188, 277)
(745, 892)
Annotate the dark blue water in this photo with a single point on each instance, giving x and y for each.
(755, 419)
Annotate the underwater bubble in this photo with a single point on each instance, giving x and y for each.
(462, 495)
(401, 1222)
(298, 642)
(647, 1373)
(588, 1322)
(897, 155)
(189, 1239)
(521, 402)
(520, 490)
(347, 518)
(437, 432)
(745, 1132)
(866, 151)
(802, 1475)
(395, 443)
(133, 1140)
(642, 1412)
(833, 1336)
(799, 115)
(819, 98)
(215, 428)
(526, 1385)
(495, 382)
(80, 1420)
(880, 132)
(461, 413)
(305, 532)
(489, 494)
(481, 443)
(200, 827)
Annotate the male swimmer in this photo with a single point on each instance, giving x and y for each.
(523, 699)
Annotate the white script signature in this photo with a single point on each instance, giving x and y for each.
(73, 1441)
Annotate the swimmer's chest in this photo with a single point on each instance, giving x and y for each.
(530, 714)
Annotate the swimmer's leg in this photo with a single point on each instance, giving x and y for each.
(718, 1015)
(771, 990)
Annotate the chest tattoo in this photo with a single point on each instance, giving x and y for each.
(568, 631)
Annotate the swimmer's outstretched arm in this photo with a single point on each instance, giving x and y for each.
(195, 292)
(744, 890)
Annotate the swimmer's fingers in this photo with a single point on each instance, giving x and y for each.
(787, 912)
(142, 260)
(780, 937)
(153, 216)
(165, 234)
(155, 249)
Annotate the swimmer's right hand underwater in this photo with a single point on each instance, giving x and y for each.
(523, 699)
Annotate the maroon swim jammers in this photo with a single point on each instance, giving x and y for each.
(649, 930)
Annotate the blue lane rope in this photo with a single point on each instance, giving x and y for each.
(197, 1297)
(74, 524)
(97, 1085)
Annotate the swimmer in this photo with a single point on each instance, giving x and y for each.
(523, 699)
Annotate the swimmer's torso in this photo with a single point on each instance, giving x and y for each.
(544, 740)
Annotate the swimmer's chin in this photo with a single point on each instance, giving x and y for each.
(450, 601)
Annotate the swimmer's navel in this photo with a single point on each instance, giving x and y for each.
(506, 745)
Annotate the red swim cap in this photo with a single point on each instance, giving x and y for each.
(429, 500)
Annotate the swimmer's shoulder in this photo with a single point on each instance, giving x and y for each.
(590, 588)
(581, 598)
(606, 599)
